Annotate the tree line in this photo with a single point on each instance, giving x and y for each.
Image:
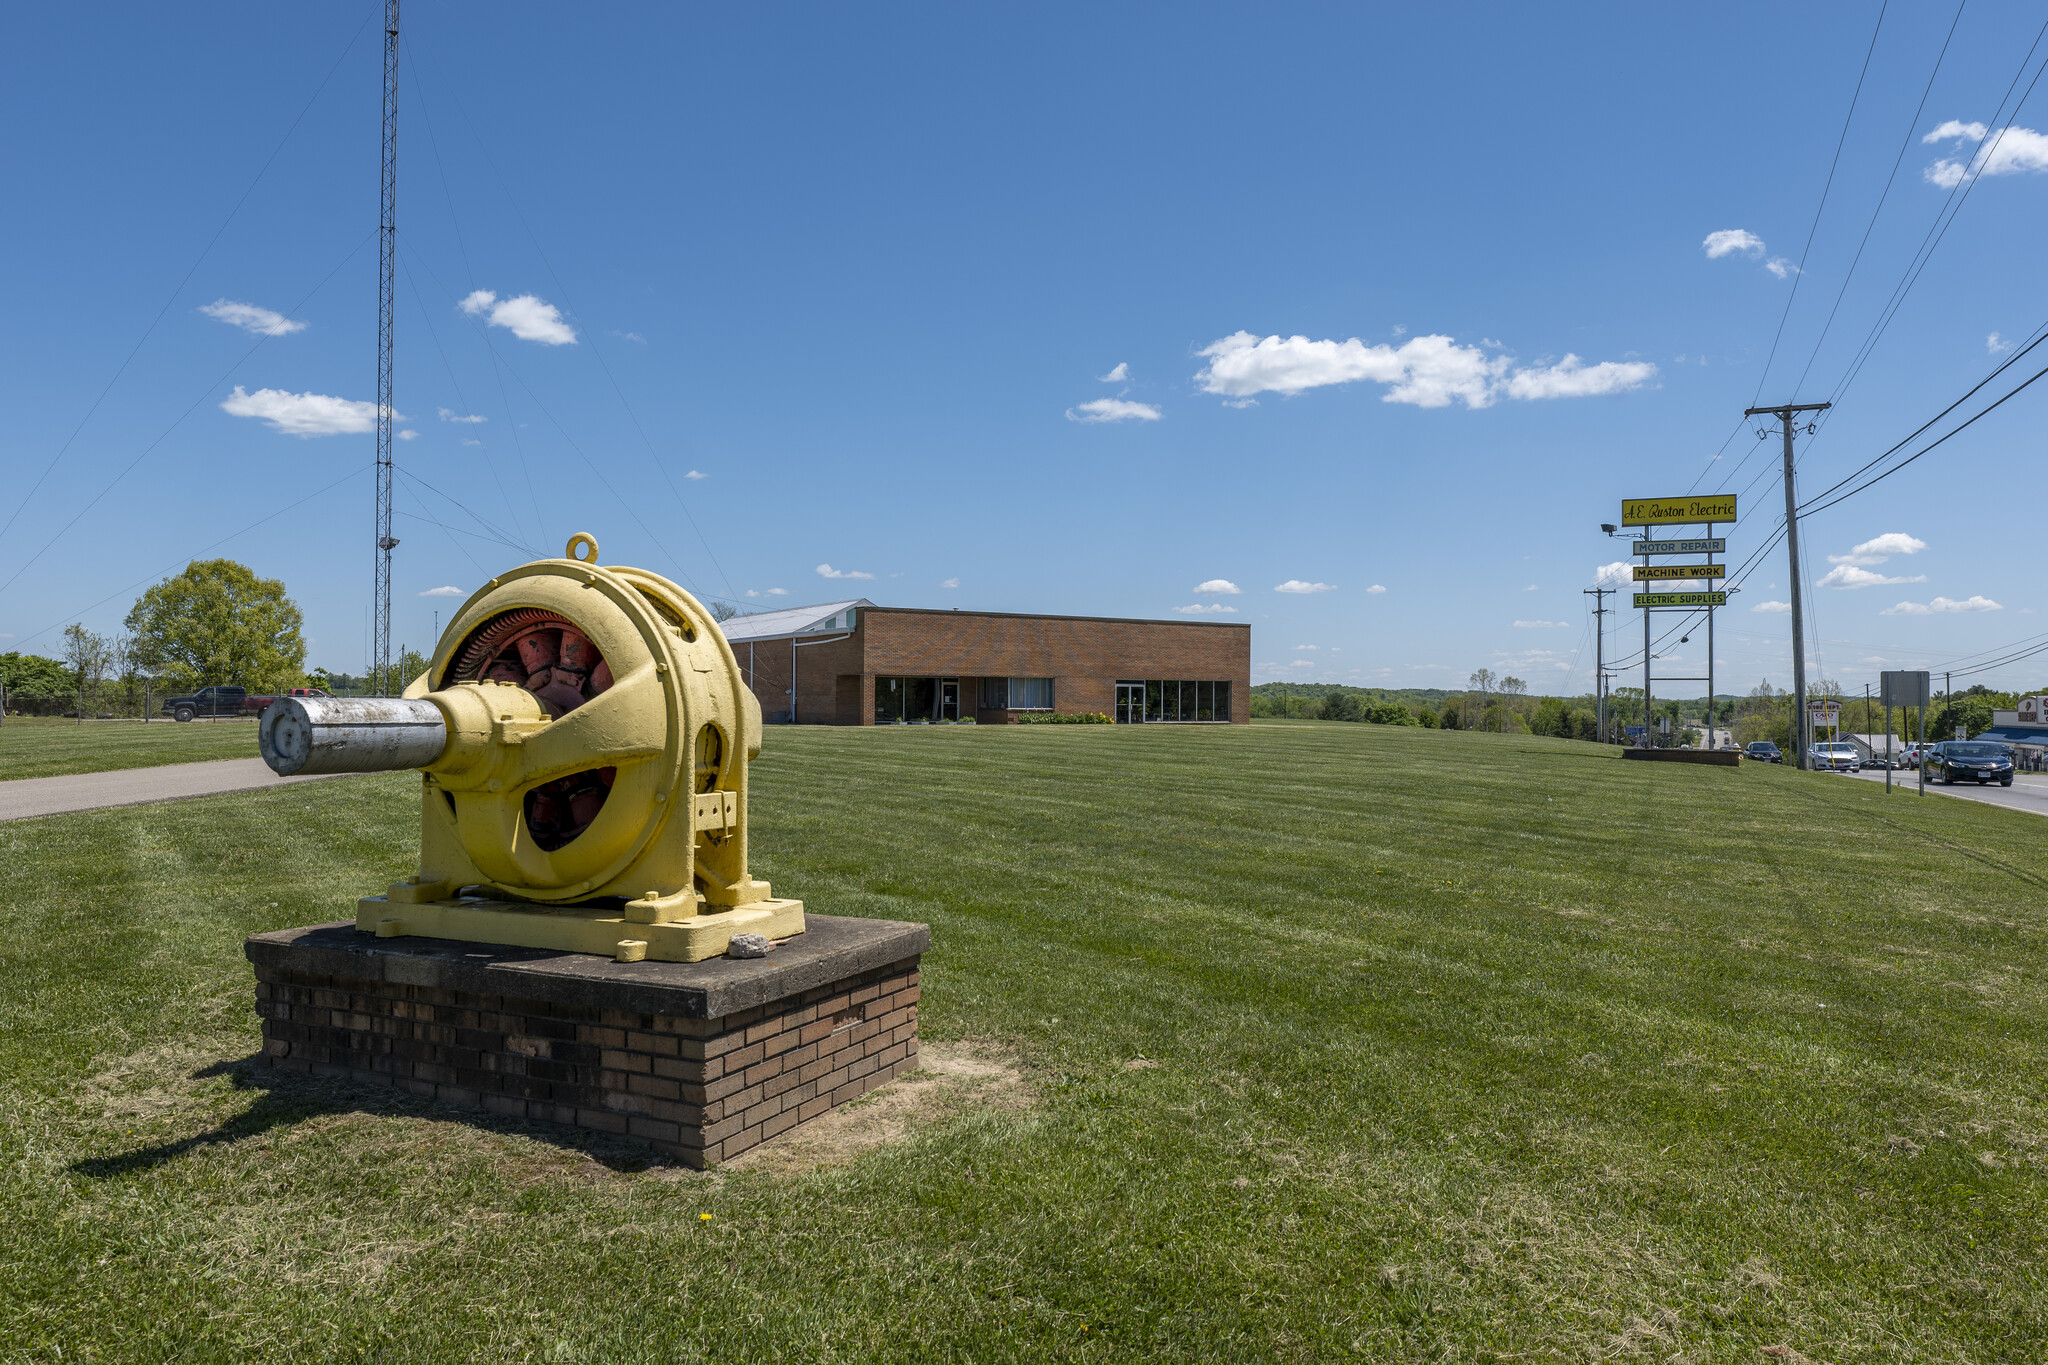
(217, 622)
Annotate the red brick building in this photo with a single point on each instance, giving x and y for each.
(854, 663)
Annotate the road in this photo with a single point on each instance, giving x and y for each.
(2028, 792)
(27, 797)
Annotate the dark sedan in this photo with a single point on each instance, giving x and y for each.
(1976, 761)
(1763, 751)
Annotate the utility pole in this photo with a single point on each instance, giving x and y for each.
(387, 292)
(1784, 415)
(1599, 596)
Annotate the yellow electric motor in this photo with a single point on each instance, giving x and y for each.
(583, 735)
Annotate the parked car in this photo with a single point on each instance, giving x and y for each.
(222, 700)
(306, 692)
(1970, 760)
(1839, 756)
(1762, 751)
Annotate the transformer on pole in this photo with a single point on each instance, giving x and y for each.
(387, 237)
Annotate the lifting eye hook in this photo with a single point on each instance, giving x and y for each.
(585, 539)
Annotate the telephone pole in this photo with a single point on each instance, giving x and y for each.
(1599, 596)
(387, 290)
(1784, 415)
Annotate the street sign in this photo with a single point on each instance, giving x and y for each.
(1904, 688)
(1660, 511)
(1649, 571)
(1680, 599)
(1716, 546)
(1635, 731)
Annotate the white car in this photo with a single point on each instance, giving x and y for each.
(1835, 756)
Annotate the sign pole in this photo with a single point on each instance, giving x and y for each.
(1710, 660)
(1649, 734)
(1887, 749)
(1923, 747)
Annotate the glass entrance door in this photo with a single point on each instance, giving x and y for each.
(949, 699)
(1130, 703)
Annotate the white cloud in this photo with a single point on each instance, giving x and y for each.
(949, 582)
(1849, 576)
(408, 435)
(1376, 588)
(1779, 608)
(1942, 604)
(827, 571)
(1530, 588)
(1240, 403)
(255, 320)
(527, 317)
(468, 442)
(1781, 267)
(628, 336)
(1296, 585)
(304, 414)
(1728, 241)
(1427, 371)
(1299, 648)
(1878, 549)
(2012, 150)
(772, 592)
(1995, 346)
(447, 590)
(1302, 663)
(1112, 410)
(1537, 625)
(451, 415)
(1223, 585)
(1573, 378)
(696, 474)
(1213, 609)
(1614, 575)
(1954, 128)
(1117, 375)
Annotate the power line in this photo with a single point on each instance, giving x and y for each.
(1821, 207)
(1904, 144)
(197, 261)
(186, 559)
(1958, 195)
(596, 352)
(209, 391)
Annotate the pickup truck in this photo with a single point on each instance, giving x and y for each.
(227, 701)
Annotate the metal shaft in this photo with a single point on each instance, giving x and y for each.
(350, 734)
(1798, 615)
(387, 291)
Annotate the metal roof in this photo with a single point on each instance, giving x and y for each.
(774, 625)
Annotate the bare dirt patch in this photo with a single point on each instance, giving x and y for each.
(952, 1079)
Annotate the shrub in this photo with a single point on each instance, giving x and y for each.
(1341, 706)
(1389, 713)
(1064, 718)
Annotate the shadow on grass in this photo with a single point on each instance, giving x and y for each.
(291, 1097)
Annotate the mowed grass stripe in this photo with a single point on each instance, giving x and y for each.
(1467, 1047)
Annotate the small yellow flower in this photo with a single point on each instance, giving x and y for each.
(704, 1217)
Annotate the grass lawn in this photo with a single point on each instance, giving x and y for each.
(38, 746)
(1464, 1048)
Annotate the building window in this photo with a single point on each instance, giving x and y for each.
(1171, 700)
(912, 700)
(1016, 694)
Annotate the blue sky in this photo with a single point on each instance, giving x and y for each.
(1389, 306)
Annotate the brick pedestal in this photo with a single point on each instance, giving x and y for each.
(703, 1060)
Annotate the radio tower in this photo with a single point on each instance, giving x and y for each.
(387, 236)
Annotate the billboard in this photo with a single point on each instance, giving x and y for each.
(1661, 511)
(1649, 571)
(1680, 599)
(1904, 688)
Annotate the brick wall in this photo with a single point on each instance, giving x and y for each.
(1084, 656)
(701, 1090)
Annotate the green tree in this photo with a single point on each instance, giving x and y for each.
(217, 622)
(1341, 706)
(35, 686)
(1389, 713)
(90, 655)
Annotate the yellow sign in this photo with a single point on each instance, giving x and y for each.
(1647, 571)
(1677, 511)
(1680, 599)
